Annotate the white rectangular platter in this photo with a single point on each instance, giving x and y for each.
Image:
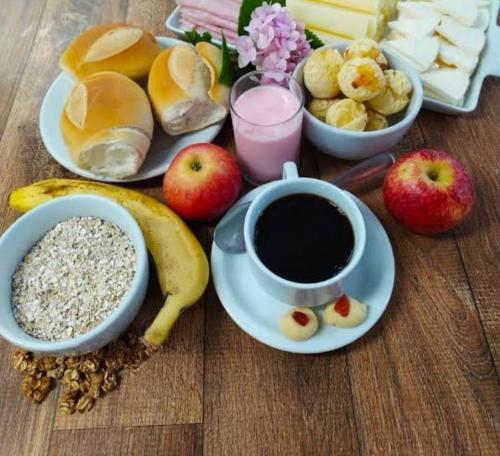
(489, 64)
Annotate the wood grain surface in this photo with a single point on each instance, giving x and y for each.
(424, 381)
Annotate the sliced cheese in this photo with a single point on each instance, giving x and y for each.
(449, 84)
(454, 56)
(422, 52)
(395, 35)
(478, 3)
(390, 8)
(414, 28)
(365, 6)
(463, 11)
(470, 40)
(483, 19)
(418, 10)
(430, 94)
(339, 21)
(327, 38)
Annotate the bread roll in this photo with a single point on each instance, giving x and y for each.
(212, 57)
(178, 86)
(123, 48)
(321, 73)
(107, 124)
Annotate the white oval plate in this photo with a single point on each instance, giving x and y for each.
(258, 314)
(163, 149)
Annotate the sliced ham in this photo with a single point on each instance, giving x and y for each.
(202, 17)
(214, 16)
(227, 9)
(216, 32)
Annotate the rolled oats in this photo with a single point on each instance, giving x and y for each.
(84, 404)
(110, 382)
(73, 278)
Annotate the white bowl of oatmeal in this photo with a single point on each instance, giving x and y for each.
(73, 275)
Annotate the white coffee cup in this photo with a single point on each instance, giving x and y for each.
(294, 293)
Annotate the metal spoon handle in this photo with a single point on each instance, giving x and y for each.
(366, 170)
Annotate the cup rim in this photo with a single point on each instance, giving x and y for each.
(261, 72)
(135, 235)
(359, 242)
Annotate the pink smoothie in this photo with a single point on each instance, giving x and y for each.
(267, 131)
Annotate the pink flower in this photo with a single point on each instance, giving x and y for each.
(246, 51)
(275, 40)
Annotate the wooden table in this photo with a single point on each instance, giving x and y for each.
(423, 381)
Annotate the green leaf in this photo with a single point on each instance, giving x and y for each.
(194, 37)
(227, 71)
(246, 10)
(313, 39)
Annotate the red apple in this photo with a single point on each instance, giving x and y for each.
(428, 191)
(202, 182)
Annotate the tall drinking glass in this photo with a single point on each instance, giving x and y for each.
(266, 110)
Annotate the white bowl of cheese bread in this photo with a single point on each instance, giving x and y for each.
(356, 106)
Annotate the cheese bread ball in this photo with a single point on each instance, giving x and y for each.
(318, 108)
(366, 48)
(376, 121)
(347, 114)
(396, 96)
(300, 323)
(345, 312)
(361, 79)
(321, 73)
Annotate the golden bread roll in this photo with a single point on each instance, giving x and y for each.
(361, 79)
(347, 114)
(396, 95)
(376, 121)
(321, 73)
(107, 124)
(178, 87)
(212, 57)
(366, 48)
(318, 108)
(123, 48)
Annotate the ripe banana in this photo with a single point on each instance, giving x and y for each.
(181, 263)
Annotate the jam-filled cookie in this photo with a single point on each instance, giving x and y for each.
(345, 312)
(300, 323)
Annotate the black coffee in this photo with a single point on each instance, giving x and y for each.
(304, 238)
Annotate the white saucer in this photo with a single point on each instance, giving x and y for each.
(258, 314)
(163, 148)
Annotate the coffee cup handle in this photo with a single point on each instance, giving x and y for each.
(290, 171)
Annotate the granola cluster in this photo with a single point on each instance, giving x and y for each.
(83, 378)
